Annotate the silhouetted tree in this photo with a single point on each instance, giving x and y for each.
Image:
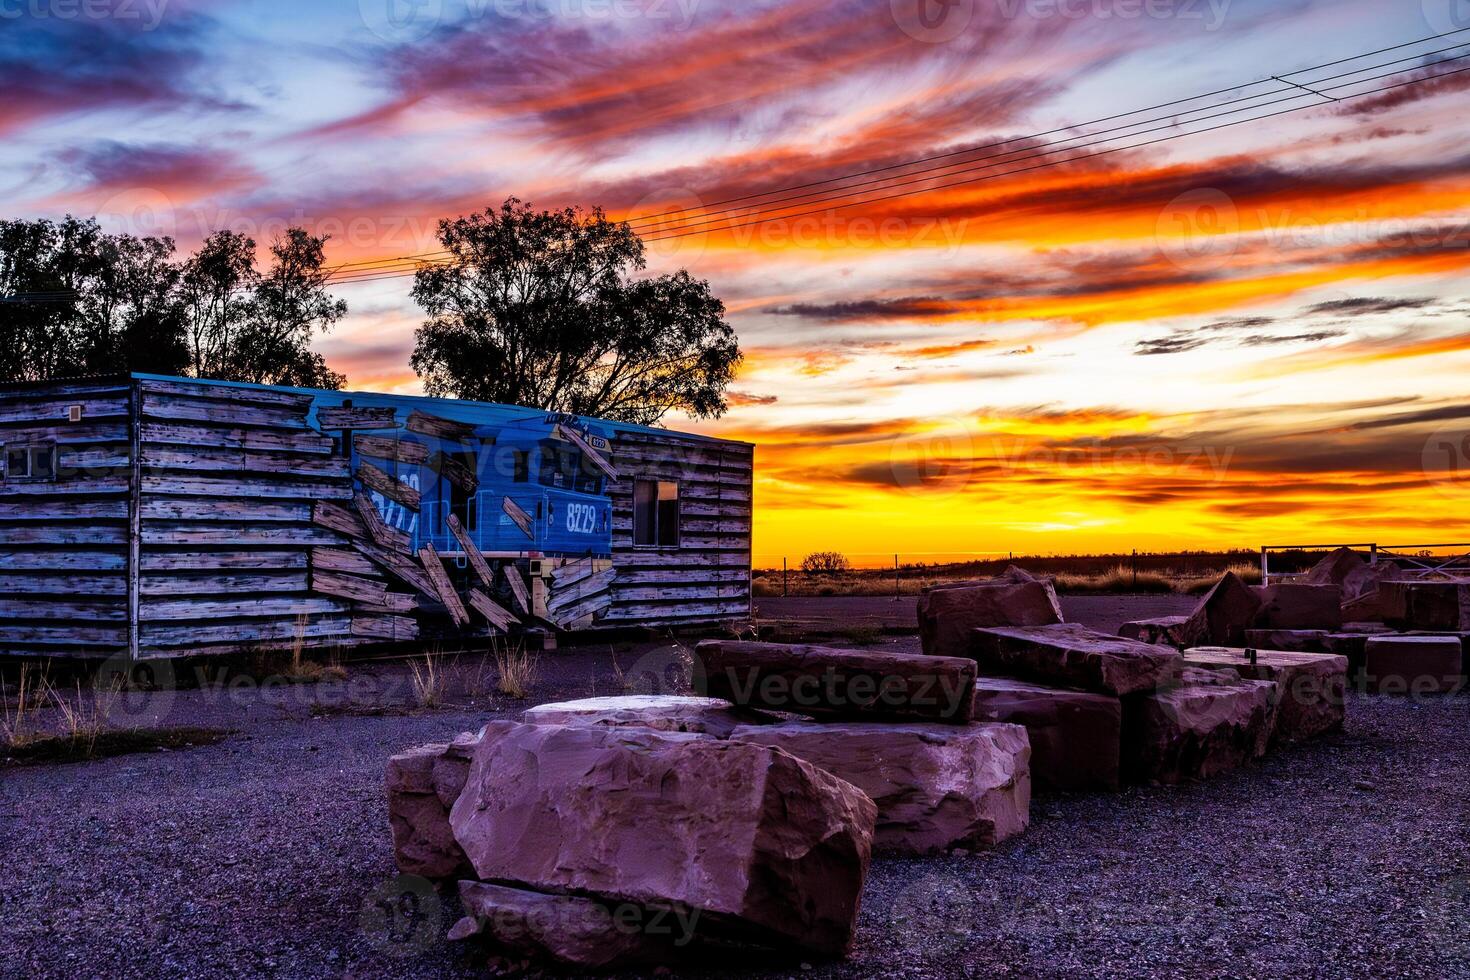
(538, 308)
(243, 325)
(74, 300)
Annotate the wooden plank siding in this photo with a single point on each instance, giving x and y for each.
(233, 490)
(707, 577)
(197, 518)
(64, 542)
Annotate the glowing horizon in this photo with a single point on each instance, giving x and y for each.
(1256, 335)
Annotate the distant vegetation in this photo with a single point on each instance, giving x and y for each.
(826, 563)
(1188, 572)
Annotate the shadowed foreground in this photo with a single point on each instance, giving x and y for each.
(262, 854)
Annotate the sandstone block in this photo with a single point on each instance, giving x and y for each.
(1311, 688)
(1074, 656)
(936, 786)
(821, 681)
(766, 847)
(948, 614)
(1075, 736)
(1210, 723)
(1396, 664)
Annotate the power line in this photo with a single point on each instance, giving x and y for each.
(635, 222)
(965, 166)
(378, 270)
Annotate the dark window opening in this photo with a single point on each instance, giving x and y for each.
(460, 501)
(656, 513)
(31, 462)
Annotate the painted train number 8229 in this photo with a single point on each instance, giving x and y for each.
(581, 518)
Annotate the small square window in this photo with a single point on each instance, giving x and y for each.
(656, 513)
(17, 463)
(33, 462)
(43, 462)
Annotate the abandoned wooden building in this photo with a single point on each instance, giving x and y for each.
(167, 517)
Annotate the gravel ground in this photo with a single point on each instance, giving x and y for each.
(266, 854)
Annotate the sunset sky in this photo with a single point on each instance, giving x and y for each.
(1255, 335)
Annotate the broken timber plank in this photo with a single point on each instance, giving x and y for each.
(571, 573)
(445, 589)
(471, 551)
(341, 560)
(596, 458)
(335, 517)
(381, 447)
(349, 586)
(380, 627)
(389, 537)
(401, 566)
(393, 602)
(389, 486)
(517, 587)
(432, 425)
(519, 516)
(348, 417)
(455, 472)
(497, 614)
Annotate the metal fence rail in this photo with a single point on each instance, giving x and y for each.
(1415, 560)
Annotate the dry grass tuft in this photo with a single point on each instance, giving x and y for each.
(429, 681)
(515, 666)
(18, 722)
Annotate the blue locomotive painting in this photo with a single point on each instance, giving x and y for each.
(517, 480)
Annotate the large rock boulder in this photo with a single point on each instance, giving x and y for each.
(1207, 724)
(949, 613)
(572, 931)
(1163, 629)
(1299, 606)
(765, 846)
(1311, 688)
(1395, 664)
(1075, 735)
(1424, 605)
(661, 712)
(820, 681)
(423, 784)
(936, 786)
(1070, 655)
(1222, 616)
(1335, 568)
(1297, 641)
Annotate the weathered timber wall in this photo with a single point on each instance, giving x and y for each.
(64, 542)
(707, 577)
(229, 481)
